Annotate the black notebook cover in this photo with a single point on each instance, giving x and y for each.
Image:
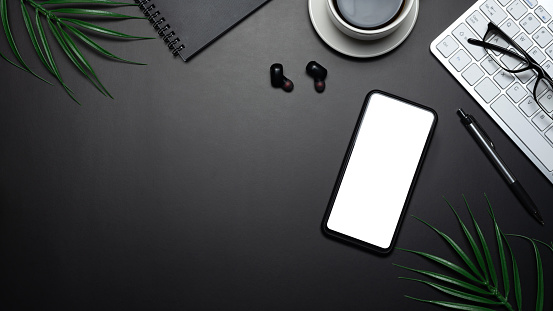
(187, 26)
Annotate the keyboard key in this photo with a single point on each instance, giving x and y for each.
(542, 121)
(541, 87)
(549, 51)
(517, 9)
(525, 76)
(537, 55)
(499, 41)
(447, 46)
(516, 92)
(530, 23)
(529, 106)
(548, 67)
(542, 37)
(543, 14)
(503, 78)
(489, 65)
(463, 33)
(493, 11)
(460, 60)
(510, 28)
(478, 23)
(531, 3)
(487, 90)
(523, 41)
(518, 123)
(504, 2)
(549, 134)
(547, 101)
(473, 74)
(510, 62)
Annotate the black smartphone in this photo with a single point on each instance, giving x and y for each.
(379, 171)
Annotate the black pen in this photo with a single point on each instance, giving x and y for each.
(489, 149)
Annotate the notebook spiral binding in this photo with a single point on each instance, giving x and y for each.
(168, 37)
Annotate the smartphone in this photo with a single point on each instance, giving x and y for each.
(379, 171)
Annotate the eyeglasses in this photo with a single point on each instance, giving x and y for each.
(512, 58)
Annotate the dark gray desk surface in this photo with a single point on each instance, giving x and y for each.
(202, 187)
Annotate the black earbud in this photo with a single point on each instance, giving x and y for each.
(279, 80)
(318, 73)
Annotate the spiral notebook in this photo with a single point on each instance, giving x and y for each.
(188, 26)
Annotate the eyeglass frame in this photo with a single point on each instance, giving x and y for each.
(524, 57)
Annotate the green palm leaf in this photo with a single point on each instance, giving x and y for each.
(516, 276)
(62, 34)
(482, 292)
(49, 55)
(32, 35)
(8, 60)
(448, 279)
(2, 9)
(11, 41)
(446, 264)
(457, 293)
(456, 248)
(94, 45)
(103, 2)
(539, 268)
(540, 290)
(472, 243)
(501, 251)
(485, 248)
(69, 54)
(93, 12)
(80, 57)
(452, 305)
(101, 30)
(548, 246)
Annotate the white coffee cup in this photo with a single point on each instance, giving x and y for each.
(365, 34)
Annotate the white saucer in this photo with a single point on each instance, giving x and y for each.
(353, 47)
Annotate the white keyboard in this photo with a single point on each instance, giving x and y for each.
(506, 97)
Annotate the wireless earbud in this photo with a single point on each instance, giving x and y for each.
(279, 80)
(318, 73)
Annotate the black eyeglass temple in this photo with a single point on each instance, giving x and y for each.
(497, 48)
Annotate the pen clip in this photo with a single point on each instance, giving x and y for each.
(482, 131)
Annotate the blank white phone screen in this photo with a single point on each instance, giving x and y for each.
(383, 163)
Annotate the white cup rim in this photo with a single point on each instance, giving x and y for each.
(404, 12)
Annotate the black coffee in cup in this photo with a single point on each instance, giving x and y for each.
(369, 14)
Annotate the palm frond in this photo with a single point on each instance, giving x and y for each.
(94, 45)
(453, 305)
(50, 57)
(485, 248)
(447, 279)
(101, 30)
(516, 275)
(104, 2)
(32, 35)
(11, 41)
(484, 290)
(72, 57)
(457, 249)
(472, 243)
(55, 14)
(539, 267)
(501, 251)
(457, 293)
(445, 263)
